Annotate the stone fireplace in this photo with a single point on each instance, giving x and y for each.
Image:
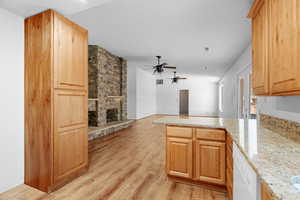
(107, 87)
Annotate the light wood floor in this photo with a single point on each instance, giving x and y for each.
(126, 165)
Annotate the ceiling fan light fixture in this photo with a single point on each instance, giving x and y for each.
(176, 78)
(159, 68)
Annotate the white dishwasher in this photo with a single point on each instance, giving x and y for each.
(245, 181)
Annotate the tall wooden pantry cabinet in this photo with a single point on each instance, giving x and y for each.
(56, 75)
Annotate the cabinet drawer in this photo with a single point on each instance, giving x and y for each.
(210, 134)
(183, 132)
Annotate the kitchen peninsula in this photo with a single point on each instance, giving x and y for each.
(274, 158)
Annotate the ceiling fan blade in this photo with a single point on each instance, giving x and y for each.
(182, 78)
(169, 67)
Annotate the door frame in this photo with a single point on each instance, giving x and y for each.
(188, 101)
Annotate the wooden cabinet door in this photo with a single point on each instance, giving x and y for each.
(180, 157)
(260, 74)
(284, 47)
(70, 133)
(70, 55)
(210, 162)
(80, 57)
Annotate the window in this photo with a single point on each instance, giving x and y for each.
(221, 92)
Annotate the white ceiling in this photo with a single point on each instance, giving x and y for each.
(178, 30)
(27, 8)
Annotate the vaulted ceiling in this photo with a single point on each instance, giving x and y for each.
(178, 30)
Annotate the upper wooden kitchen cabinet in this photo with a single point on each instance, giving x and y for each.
(284, 47)
(260, 73)
(276, 63)
(56, 142)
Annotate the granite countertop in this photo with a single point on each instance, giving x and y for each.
(275, 158)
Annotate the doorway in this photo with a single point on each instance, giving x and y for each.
(244, 93)
(184, 102)
(246, 98)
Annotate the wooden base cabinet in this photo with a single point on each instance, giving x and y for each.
(229, 167)
(196, 154)
(56, 141)
(180, 157)
(210, 161)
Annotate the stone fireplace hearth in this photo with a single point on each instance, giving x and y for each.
(107, 88)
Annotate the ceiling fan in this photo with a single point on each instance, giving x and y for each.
(176, 78)
(160, 67)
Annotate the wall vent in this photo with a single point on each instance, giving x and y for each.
(159, 81)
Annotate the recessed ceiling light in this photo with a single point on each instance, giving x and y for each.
(83, 1)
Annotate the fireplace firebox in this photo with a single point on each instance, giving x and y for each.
(112, 115)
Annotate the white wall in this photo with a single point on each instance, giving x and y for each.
(203, 96)
(146, 94)
(230, 82)
(282, 107)
(12, 100)
(131, 91)
(141, 92)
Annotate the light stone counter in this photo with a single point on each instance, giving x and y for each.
(275, 158)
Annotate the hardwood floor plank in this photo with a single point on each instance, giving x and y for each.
(128, 165)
